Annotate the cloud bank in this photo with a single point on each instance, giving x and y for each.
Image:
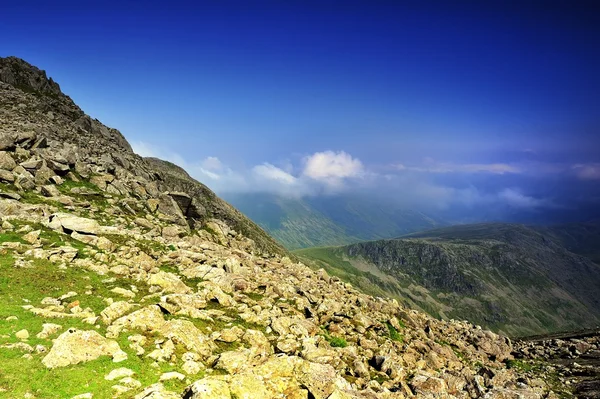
(429, 185)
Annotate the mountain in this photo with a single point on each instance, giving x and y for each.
(53, 116)
(329, 220)
(122, 277)
(518, 279)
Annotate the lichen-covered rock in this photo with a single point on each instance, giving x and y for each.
(77, 346)
(169, 282)
(208, 388)
(69, 223)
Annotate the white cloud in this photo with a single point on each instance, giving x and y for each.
(331, 172)
(144, 149)
(272, 172)
(430, 166)
(212, 163)
(517, 199)
(332, 168)
(590, 171)
(208, 173)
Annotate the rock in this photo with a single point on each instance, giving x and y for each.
(119, 356)
(85, 238)
(208, 388)
(70, 223)
(164, 353)
(149, 318)
(32, 237)
(233, 361)
(115, 310)
(169, 282)
(230, 334)
(48, 329)
(119, 373)
(319, 379)
(43, 175)
(172, 375)
(50, 191)
(191, 367)
(248, 386)
(76, 346)
(6, 176)
(157, 391)
(170, 211)
(6, 161)
(104, 244)
(7, 142)
(185, 333)
(22, 334)
(87, 395)
(123, 292)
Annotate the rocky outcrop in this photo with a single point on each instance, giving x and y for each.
(36, 115)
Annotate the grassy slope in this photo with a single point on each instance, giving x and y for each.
(490, 282)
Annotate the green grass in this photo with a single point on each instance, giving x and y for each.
(22, 286)
(329, 259)
(519, 365)
(11, 237)
(336, 342)
(394, 334)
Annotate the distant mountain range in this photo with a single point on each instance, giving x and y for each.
(517, 279)
(329, 220)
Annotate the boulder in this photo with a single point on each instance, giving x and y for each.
(7, 141)
(77, 346)
(6, 161)
(115, 310)
(187, 334)
(169, 282)
(207, 388)
(69, 223)
(6, 176)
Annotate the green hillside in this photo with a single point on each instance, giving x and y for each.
(335, 220)
(511, 278)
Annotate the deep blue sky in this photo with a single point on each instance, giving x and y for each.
(416, 83)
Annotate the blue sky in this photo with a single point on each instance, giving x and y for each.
(465, 101)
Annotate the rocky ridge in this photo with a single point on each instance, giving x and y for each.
(114, 284)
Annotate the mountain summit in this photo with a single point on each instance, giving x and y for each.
(123, 277)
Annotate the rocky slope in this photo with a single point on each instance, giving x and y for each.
(73, 137)
(572, 358)
(113, 284)
(510, 278)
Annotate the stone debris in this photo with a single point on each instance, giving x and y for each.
(199, 290)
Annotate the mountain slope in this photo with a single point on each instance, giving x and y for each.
(330, 220)
(111, 287)
(510, 278)
(53, 116)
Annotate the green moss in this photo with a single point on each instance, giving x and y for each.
(336, 342)
(394, 334)
(520, 365)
